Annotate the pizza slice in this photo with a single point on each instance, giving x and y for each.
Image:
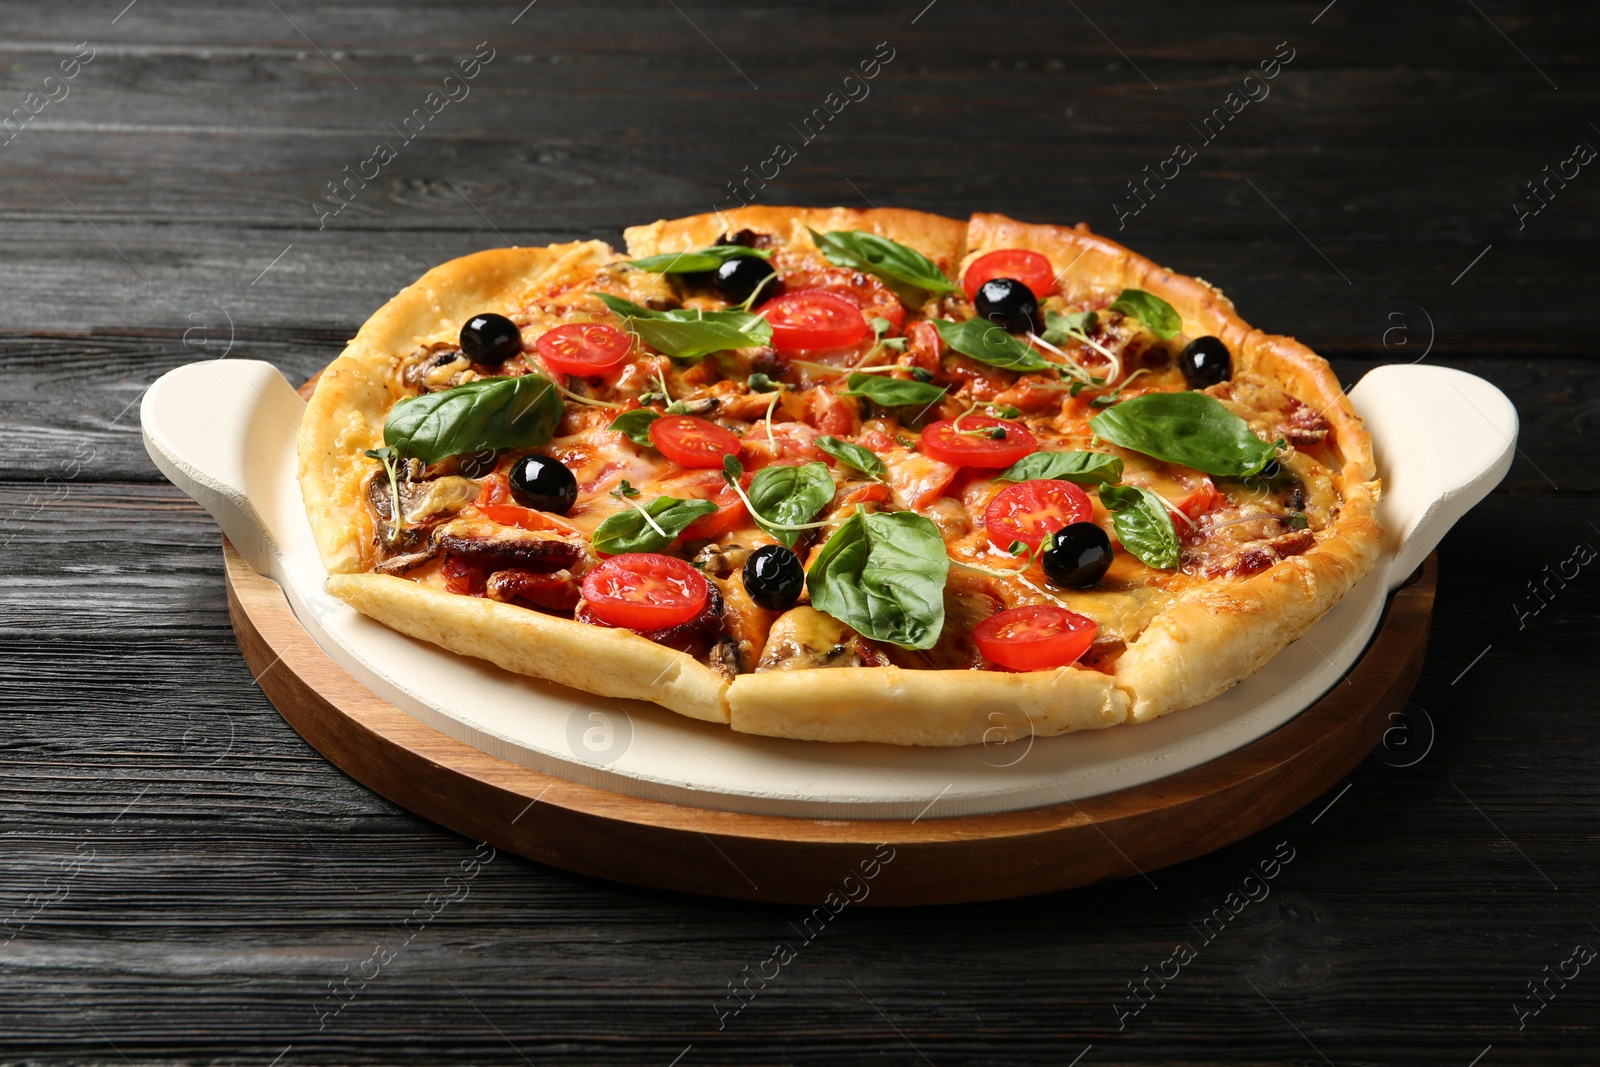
(841, 475)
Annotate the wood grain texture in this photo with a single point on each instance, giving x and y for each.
(236, 873)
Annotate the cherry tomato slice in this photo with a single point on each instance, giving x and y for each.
(1035, 637)
(583, 348)
(525, 518)
(1029, 268)
(692, 442)
(1031, 511)
(971, 444)
(814, 320)
(876, 300)
(1200, 500)
(645, 591)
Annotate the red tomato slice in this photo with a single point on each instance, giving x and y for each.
(526, 518)
(1201, 500)
(692, 442)
(494, 490)
(876, 300)
(814, 320)
(1031, 511)
(959, 447)
(1035, 637)
(645, 591)
(583, 348)
(1029, 268)
(459, 577)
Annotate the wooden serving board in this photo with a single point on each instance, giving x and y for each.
(802, 861)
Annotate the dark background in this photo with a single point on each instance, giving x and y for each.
(198, 875)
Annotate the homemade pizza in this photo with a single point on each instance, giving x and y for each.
(841, 475)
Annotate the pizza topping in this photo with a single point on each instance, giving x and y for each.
(804, 638)
(635, 425)
(916, 480)
(705, 259)
(490, 339)
(645, 591)
(552, 590)
(692, 442)
(740, 277)
(1035, 637)
(884, 575)
(1009, 304)
(853, 456)
(814, 321)
(1019, 264)
(689, 334)
(989, 343)
(978, 441)
(585, 349)
(912, 275)
(543, 484)
(1205, 362)
(1143, 524)
(646, 527)
(1033, 510)
(773, 577)
(1077, 556)
(1085, 468)
(1158, 316)
(492, 547)
(1189, 429)
(497, 413)
(894, 392)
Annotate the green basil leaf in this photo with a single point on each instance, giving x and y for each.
(1142, 523)
(695, 262)
(1190, 429)
(912, 275)
(496, 413)
(635, 425)
(629, 531)
(791, 496)
(1158, 316)
(988, 343)
(892, 392)
(1059, 329)
(852, 455)
(686, 334)
(884, 575)
(1085, 468)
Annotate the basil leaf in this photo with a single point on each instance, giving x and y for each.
(1085, 468)
(629, 531)
(686, 334)
(1059, 329)
(635, 425)
(884, 575)
(1142, 523)
(988, 343)
(912, 275)
(1158, 316)
(1190, 429)
(892, 392)
(495, 413)
(791, 496)
(695, 262)
(852, 455)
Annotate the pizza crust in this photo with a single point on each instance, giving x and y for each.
(1202, 645)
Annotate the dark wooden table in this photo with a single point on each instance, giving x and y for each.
(186, 880)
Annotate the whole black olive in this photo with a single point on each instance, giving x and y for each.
(1205, 362)
(736, 278)
(543, 484)
(1009, 303)
(1077, 556)
(773, 577)
(490, 339)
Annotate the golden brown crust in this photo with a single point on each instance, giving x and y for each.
(1209, 640)
(940, 239)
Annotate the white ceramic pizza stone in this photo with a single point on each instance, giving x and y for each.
(225, 432)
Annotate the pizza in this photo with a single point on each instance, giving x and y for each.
(841, 475)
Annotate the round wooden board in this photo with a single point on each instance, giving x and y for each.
(803, 861)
